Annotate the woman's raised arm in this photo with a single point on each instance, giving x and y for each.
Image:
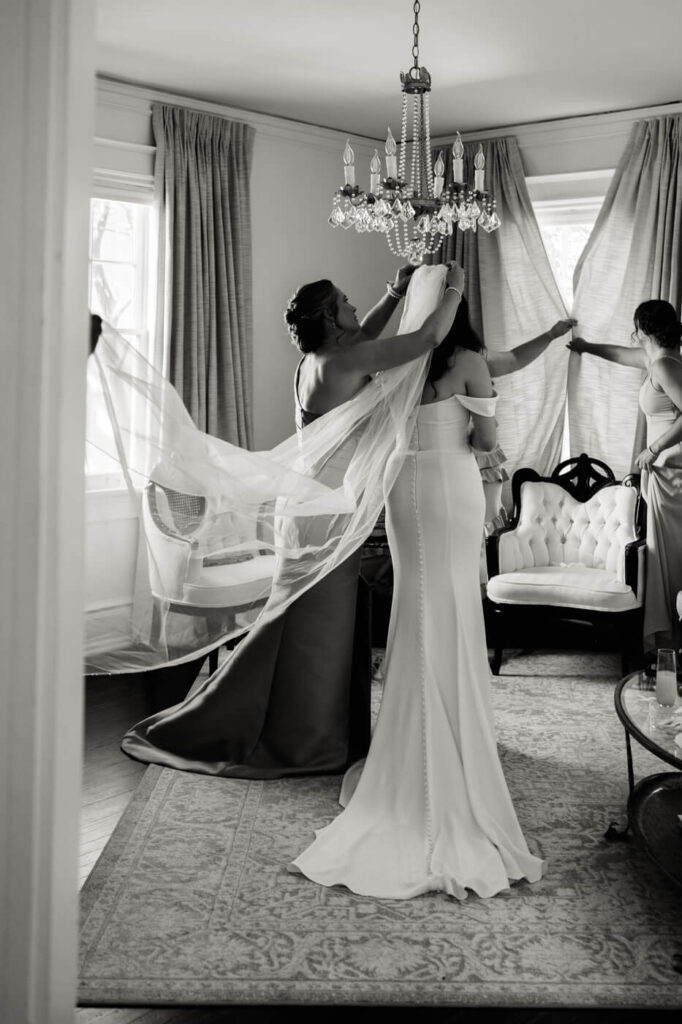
(378, 316)
(384, 353)
(621, 354)
(502, 363)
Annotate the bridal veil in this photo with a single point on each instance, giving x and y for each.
(228, 537)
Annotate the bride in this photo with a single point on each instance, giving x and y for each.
(429, 808)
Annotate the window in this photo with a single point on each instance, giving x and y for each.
(120, 267)
(566, 207)
(121, 290)
(565, 226)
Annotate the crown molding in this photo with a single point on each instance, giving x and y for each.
(138, 99)
(587, 126)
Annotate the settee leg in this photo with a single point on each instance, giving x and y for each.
(496, 661)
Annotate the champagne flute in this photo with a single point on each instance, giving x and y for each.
(666, 677)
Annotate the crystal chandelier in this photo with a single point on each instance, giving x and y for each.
(415, 215)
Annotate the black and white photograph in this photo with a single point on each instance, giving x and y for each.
(341, 527)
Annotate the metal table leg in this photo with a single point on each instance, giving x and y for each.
(613, 833)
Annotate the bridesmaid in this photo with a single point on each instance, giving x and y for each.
(294, 696)
(655, 347)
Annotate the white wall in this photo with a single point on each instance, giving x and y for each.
(292, 186)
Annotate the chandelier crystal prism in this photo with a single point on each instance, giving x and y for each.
(415, 210)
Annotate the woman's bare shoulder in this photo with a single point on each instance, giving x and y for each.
(667, 368)
(466, 357)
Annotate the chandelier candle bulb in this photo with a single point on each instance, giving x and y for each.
(374, 172)
(439, 171)
(348, 165)
(391, 158)
(479, 164)
(458, 159)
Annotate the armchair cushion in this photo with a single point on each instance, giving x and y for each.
(570, 586)
(232, 584)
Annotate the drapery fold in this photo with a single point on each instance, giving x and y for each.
(513, 296)
(205, 307)
(633, 254)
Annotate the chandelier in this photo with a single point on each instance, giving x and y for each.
(415, 212)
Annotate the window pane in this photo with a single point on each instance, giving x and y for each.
(113, 292)
(113, 231)
(564, 244)
(119, 287)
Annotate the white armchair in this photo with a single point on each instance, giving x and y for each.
(217, 588)
(574, 549)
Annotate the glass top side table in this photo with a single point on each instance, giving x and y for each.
(657, 729)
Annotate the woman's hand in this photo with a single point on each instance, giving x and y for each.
(455, 277)
(402, 278)
(645, 459)
(578, 345)
(560, 327)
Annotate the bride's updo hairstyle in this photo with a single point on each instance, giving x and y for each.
(658, 319)
(303, 316)
(460, 335)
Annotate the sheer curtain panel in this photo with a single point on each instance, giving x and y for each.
(205, 310)
(633, 254)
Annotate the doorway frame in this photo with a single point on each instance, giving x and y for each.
(47, 80)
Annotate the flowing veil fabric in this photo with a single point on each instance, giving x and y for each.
(229, 537)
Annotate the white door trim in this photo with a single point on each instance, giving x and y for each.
(48, 86)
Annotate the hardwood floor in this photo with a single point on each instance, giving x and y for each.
(109, 777)
(112, 705)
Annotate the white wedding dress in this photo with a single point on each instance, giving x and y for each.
(429, 808)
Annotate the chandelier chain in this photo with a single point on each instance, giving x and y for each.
(415, 30)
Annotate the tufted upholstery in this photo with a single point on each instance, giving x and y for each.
(573, 545)
(563, 537)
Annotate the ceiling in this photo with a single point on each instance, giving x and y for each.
(336, 63)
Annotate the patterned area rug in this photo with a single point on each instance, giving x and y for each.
(191, 901)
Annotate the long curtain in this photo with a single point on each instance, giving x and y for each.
(205, 310)
(513, 297)
(633, 254)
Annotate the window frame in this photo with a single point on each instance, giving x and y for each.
(565, 199)
(137, 189)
